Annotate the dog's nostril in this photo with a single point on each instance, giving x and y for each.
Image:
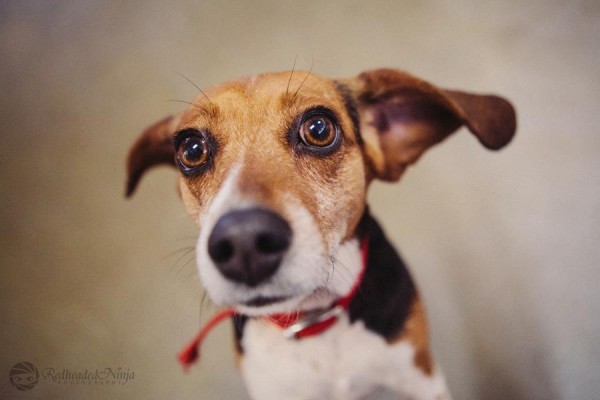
(221, 251)
(268, 243)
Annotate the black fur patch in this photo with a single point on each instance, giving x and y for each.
(239, 321)
(387, 291)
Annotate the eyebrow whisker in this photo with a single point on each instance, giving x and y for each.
(186, 102)
(194, 84)
(306, 77)
(291, 74)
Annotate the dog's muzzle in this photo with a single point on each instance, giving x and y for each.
(247, 246)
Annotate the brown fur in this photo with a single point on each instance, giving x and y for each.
(416, 332)
(254, 134)
(402, 116)
(153, 147)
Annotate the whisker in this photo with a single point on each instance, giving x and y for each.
(204, 301)
(206, 305)
(196, 86)
(200, 298)
(185, 265)
(306, 77)
(332, 272)
(185, 254)
(185, 249)
(343, 271)
(186, 102)
(191, 299)
(184, 314)
(187, 237)
(291, 74)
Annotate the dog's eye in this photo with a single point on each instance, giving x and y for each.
(193, 151)
(318, 131)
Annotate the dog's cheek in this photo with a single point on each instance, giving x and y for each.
(346, 195)
(190, 201)
(303, 263)
(199, 193)
(353, 193)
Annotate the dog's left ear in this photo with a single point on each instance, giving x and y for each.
(401, 116)
(153, 147)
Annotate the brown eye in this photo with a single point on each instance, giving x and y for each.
(318, 131)
(193, 152)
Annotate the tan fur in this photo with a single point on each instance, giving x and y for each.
(416, 332)
(259, 112)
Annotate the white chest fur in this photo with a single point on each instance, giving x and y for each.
(346, 362)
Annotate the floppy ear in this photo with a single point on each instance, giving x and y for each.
(153, 147)
(401, 116)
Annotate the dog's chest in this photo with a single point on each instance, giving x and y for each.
(345, 362)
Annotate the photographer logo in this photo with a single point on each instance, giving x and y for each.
(24, 376)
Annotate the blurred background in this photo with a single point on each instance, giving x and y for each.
(504, 246)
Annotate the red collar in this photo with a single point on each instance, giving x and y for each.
(297, 325)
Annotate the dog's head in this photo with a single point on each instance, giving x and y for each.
(274, 169)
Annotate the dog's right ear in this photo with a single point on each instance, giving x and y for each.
(153, 147)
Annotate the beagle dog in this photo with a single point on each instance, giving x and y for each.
(274, 169)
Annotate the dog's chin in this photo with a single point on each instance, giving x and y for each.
(263, 306)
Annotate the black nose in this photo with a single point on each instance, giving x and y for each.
(247, 245)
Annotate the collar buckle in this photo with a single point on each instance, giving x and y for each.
(313, 320)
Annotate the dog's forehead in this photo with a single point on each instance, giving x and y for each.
(271, 85)
(273, 95)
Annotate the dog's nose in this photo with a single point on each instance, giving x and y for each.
(247, 245)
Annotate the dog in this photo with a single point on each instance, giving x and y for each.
(274, 169)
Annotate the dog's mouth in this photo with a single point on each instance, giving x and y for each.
(262, 301)
(260, 305)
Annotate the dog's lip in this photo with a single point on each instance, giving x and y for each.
(261, 301)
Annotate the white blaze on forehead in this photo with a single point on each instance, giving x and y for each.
(226, 197)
